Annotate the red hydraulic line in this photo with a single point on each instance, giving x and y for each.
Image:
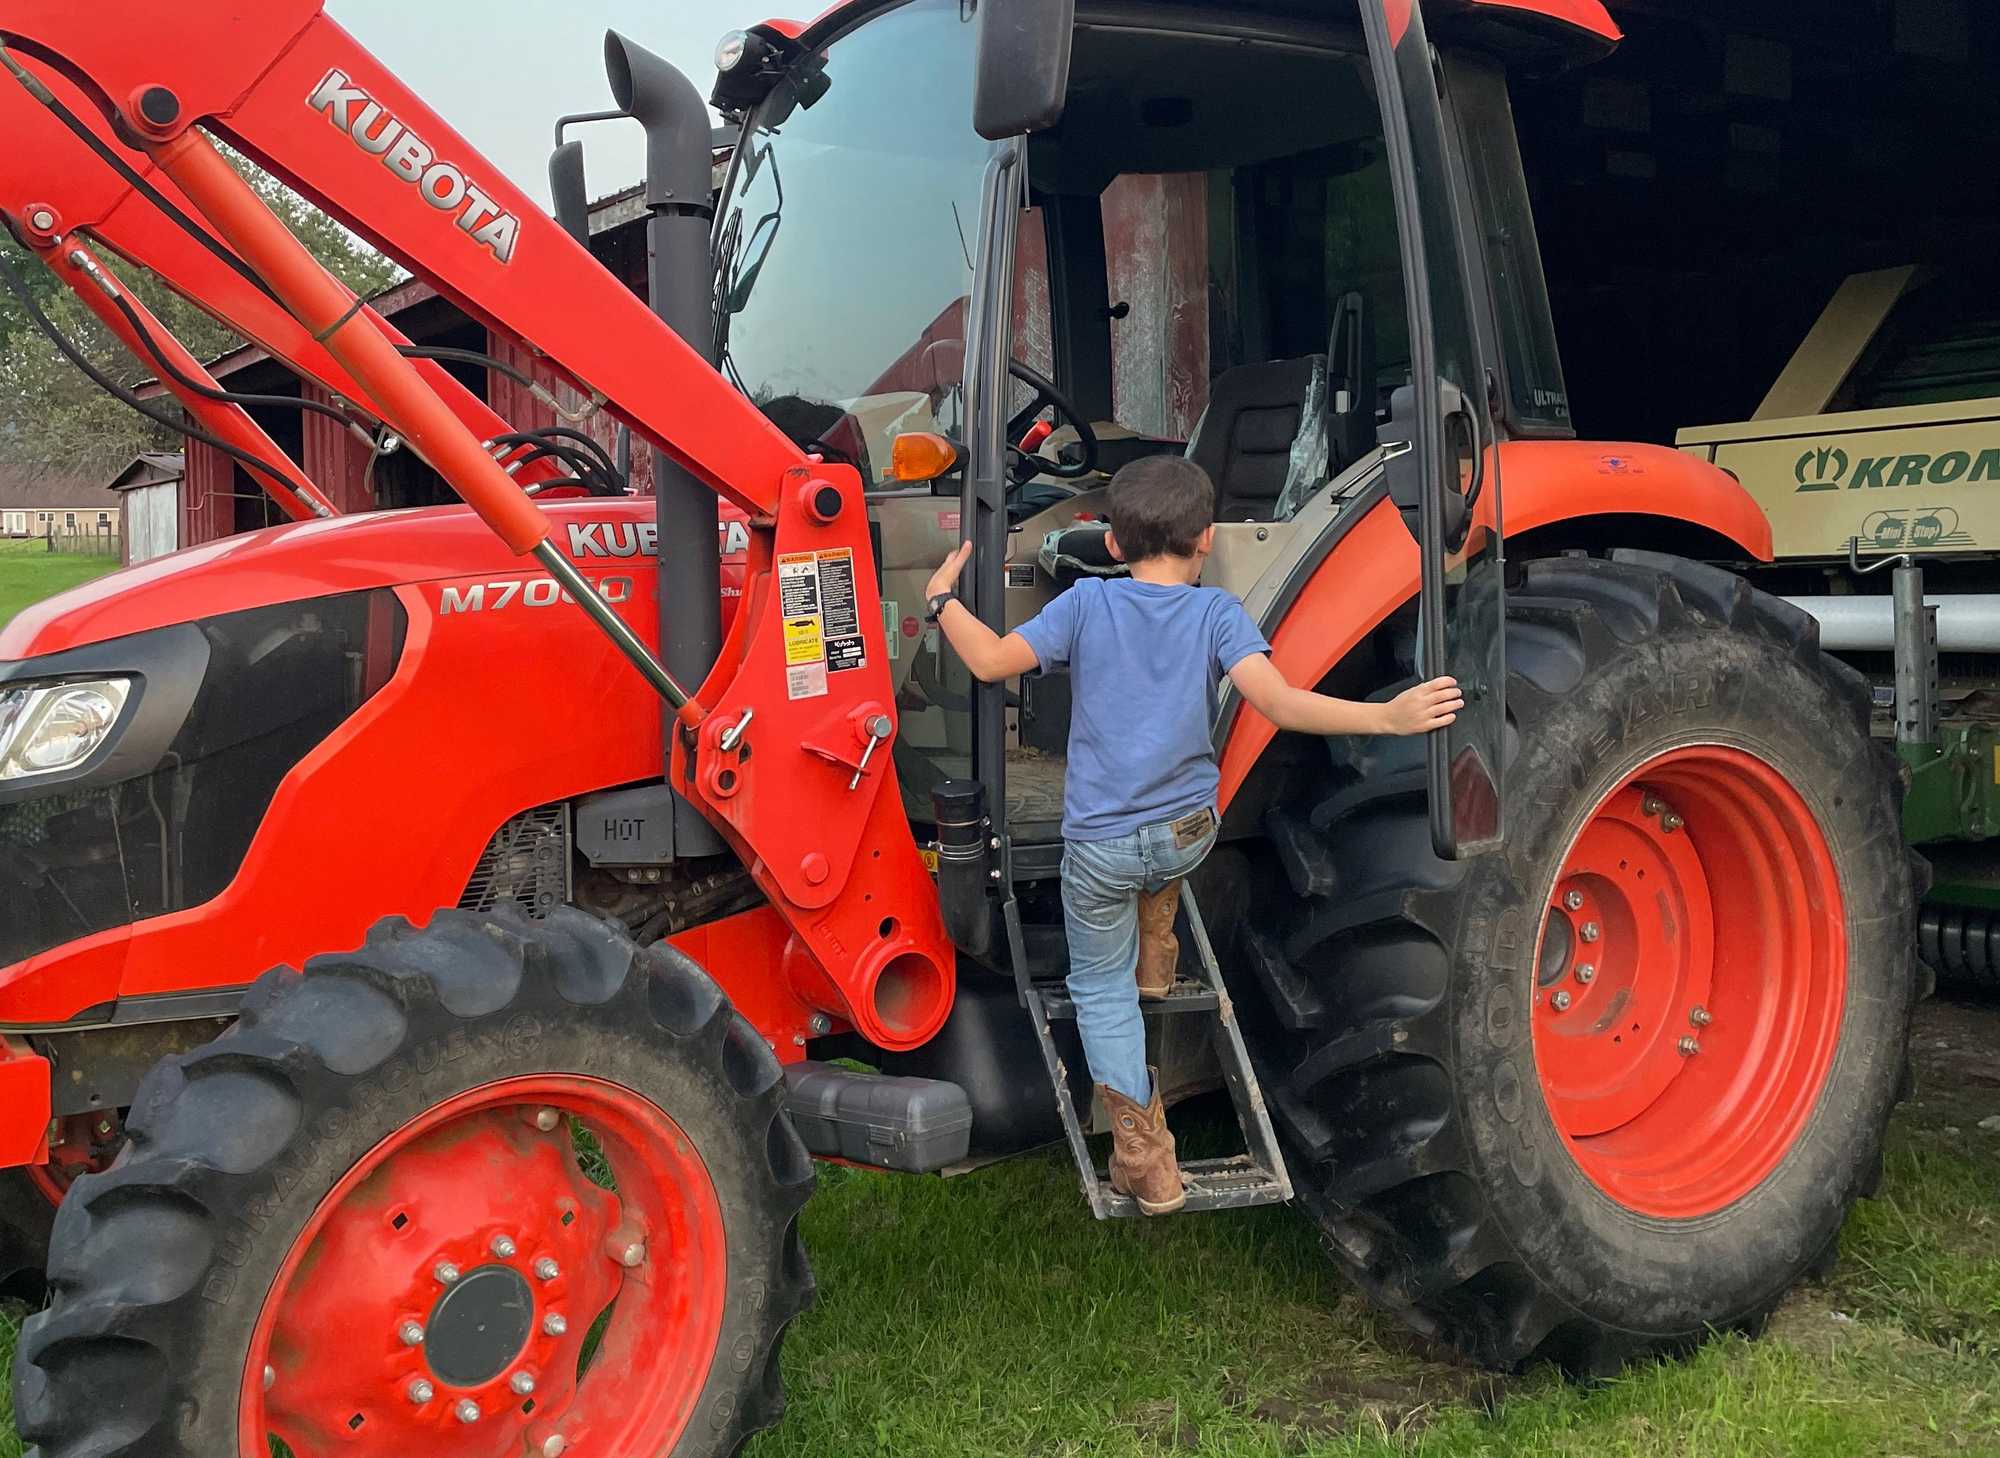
(334, 316)
(93, 282)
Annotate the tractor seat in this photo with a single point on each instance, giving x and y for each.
(1035, 794)
(1245, 441)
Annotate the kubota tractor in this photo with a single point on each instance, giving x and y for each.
(1574, 1028)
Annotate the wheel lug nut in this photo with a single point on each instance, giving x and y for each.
(503, 1247)
(1590, 931)
(522, 1383)
(1586, 974)
(412, 1334)
(446, 1273)
(632, 1255)
(1573, 900)
(554, 1446)
(554, 1324)
(1671, 822)
(546, 1269)
(1700, 1017)
(546, 1120)
(1560, 1002)
(1653, 805)
(467, 1410)
(270, 1376)
(420, 1391)
(1689, 1046)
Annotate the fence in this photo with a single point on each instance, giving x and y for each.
(86, 544)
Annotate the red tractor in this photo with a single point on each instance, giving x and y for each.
(1574, 1028)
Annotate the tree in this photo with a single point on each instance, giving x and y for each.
(52, 415)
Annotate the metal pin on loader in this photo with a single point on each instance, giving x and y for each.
(879, 729)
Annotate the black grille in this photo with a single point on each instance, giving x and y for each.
(161, 819)
(526, 864)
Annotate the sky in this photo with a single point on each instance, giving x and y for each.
(502, 71)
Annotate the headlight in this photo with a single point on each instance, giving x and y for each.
(57, 726)
(729, 50)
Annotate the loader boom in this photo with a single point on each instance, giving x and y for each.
(69, 151)
(817, 818)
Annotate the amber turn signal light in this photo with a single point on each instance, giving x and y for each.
(921, 455)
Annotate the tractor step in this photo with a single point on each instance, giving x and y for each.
(1255, 1177)
(1186, 995)
(1234, 1183)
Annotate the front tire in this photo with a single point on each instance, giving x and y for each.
(1616, 1085)
(358, 1222)
(26, 1213)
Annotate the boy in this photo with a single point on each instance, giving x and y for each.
(1147, 654)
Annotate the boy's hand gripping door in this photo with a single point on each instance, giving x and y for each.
(1444, 471)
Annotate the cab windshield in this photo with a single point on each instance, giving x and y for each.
(847, 326)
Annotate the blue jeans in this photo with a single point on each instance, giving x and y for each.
(1101, 882)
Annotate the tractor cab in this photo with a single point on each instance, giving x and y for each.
(1233, 233)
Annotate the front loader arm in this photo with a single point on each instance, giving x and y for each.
(48, 160)
(786, 747)
(92, 280)
(288, 87)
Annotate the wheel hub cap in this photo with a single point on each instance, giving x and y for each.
(480, 1326)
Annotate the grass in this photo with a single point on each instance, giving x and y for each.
(30, 572)
(991, 1316)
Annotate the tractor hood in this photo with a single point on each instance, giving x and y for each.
(324, 558)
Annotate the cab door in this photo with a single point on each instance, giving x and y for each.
(1445, 470)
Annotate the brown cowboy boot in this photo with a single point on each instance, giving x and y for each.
(1143, 1164)
(1159, 948)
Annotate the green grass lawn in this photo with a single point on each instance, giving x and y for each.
(991, 1316)
(30, 572)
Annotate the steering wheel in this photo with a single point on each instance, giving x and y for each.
(1024, 466)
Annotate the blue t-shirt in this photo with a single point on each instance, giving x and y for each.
(1145, 659)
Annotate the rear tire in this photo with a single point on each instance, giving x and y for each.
(1513, 1184)
(390, 1132)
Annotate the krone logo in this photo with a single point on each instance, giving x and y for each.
(1821, 470)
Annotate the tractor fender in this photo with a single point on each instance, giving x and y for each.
(1374, 568)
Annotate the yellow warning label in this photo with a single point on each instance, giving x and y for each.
(930, 855)
(803, 643)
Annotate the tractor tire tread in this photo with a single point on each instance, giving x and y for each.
(135, 1273)
(1367, 1093)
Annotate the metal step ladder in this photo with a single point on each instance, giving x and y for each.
(1235, 1182)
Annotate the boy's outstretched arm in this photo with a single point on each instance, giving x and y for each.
(1419, 710)
(989, 656)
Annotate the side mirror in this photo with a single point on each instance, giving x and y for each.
(1403, 468)
(1024, 53)
(572, 202)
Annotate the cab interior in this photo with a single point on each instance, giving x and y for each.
(1209, 266)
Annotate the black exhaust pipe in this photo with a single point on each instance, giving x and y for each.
(965, 864)
(678, 171)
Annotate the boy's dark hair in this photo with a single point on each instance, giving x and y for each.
(1159, 506)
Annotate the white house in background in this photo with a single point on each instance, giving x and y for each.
(40, 503)
(151, 490)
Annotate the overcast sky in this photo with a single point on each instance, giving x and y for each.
(502, 71)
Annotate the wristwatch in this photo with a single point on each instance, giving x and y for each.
(936, 605)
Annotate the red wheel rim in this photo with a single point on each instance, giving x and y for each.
(1691, 980)
(83, 1144)
(402, 1299)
